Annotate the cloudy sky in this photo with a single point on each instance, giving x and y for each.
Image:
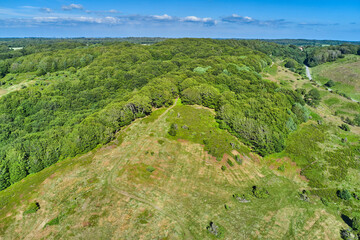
(315, 19)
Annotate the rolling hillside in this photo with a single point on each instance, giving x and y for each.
(182, 139)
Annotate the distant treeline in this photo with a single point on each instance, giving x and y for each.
(319, 55)
(306, 42)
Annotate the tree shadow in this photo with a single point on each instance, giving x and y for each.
(347, 220)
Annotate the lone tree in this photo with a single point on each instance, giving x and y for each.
(330, 83)
(173, 128)
(313, 97)
(344, 194)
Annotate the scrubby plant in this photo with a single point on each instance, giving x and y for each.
(32, 208)
(281, 168)
(231, 164)
(344, 127)
(355, 223)
(172, 130)
(150, 169)
(344, 194)
(223, 168)
(216, 230)
(330, 83)
(260, 192)
(238, 159)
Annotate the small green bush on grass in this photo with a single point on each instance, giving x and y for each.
(231, 164)
(260, 192)
(344, 194)
(32, 208)
(281, 168)
(238, 159)
(150, 169)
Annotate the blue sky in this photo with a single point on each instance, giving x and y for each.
(316, 19)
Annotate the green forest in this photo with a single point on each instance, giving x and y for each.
(80, 97)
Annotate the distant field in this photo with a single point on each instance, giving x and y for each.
(345, 72)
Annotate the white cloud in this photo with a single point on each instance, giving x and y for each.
(72, 6)
(162, 17)
(46, 10)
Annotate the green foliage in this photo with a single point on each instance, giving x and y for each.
(223, 167)
(313, 97)
(150, 169)
(173, 129)
(344, 194)
(32, 208)
(238, 159)
(330, 83)
(84, 94)
(260, 192)
(281, 168)
(216, 230)
(356, 223)
(291, 63)
(54, 221)
(231, 164)
(344, 127)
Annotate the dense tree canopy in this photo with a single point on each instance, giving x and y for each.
(81, 97)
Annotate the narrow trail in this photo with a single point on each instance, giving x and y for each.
(138, 148)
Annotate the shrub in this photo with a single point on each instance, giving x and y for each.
(238, 159)
(330, 83)
(223, 168)
(344, 127)
(347, 234)
(172, 131)
(312, 98)
(231, 164)
(324, 201)
(281, 168)
(356, 223)
(54, 221)
(260, 192)
(150, 169)
(215, 229)
(344, 194)
(32, 208)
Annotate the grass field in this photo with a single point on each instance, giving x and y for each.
(345, 72)
(150, 185)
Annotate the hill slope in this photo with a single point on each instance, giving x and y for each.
(112, 192)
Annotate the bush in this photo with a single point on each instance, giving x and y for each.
(150, 169)
(238, 159)
(344, 194)
(260, 192)
(172, 131)
(281, 168)
(356, 223)
(32, 208)
(223, 168)
(344, 127)
(330, 83)
(231, 164)
(347, 234)
(54, 221)
(312, 98)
